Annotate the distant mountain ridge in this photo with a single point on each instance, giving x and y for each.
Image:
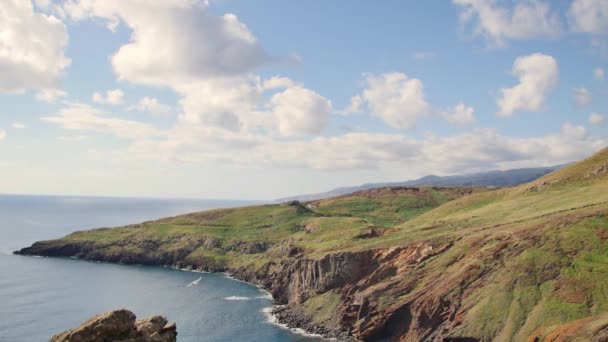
(494, 178)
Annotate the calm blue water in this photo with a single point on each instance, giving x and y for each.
(42, 296)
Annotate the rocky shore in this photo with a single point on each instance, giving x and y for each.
(120, 326)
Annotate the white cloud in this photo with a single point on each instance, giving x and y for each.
(207, 60)
(573, 131)
(2, 134)
(111, 97)
(461, 114)
(278, 82)
(224, 102)
(400, 102)
(31, 47)
(395, 98)
(596, 119)
(582, 97)
(355, 105)
(537, 74)
(477, 150)
(152, 106)
(589, 16)
(599, 74)
(18, 125)
(175, 41)
(77, 116)
(300, 111)
(50, 95)
(527, 19)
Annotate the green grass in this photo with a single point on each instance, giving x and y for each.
(520, 259)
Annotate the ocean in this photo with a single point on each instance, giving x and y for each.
(40, 297)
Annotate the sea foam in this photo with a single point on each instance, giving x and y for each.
(196, 282)
(237, 298)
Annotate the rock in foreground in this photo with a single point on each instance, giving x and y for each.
(120, 325)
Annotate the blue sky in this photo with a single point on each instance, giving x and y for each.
(261, 99)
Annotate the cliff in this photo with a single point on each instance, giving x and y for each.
(120, 325)
(526, 263)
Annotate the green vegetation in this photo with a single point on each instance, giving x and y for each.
(319, 227)
(512, 263)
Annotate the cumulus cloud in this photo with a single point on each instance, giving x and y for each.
(82, 117)
(461, 114)
(175, 41)
(589, 16)
(596, 119)
(240, 103)
(537, 74)
(50, 95)
(582, 97)
(111, 97)
(152, 106)
(208, 61)
(32, 47)
(18, 125)
(222, 102)
(400, 102)
(477, 150)
(599, 74)
(573, 131)
(395, 98)
(2, 134)
(496, 23)
(300, 111)
(278, 82)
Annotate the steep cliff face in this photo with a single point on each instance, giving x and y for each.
(296, 280)
(120, 325)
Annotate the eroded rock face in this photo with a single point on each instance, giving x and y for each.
(294, 281)
(248, 247)
(120, 325)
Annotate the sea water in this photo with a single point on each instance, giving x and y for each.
(40, 297)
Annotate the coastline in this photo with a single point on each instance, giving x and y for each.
(274, 314)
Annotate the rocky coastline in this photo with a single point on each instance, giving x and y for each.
(284, 310)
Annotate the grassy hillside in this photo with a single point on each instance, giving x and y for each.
(509, 264)
(317, 228)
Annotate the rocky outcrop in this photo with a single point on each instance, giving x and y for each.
(299, 279)
(593, 328)
(248, 247)
(120, 325)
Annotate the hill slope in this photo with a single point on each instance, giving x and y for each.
(410, 264)
(488, 179)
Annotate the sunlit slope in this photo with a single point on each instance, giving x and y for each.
(515, 264)
(255, 234)
(576, 187)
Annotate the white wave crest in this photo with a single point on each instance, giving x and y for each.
(272, 319)
(196, 282)
(266, 295)
(237, 298)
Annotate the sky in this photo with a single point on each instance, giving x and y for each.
(260, 99)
